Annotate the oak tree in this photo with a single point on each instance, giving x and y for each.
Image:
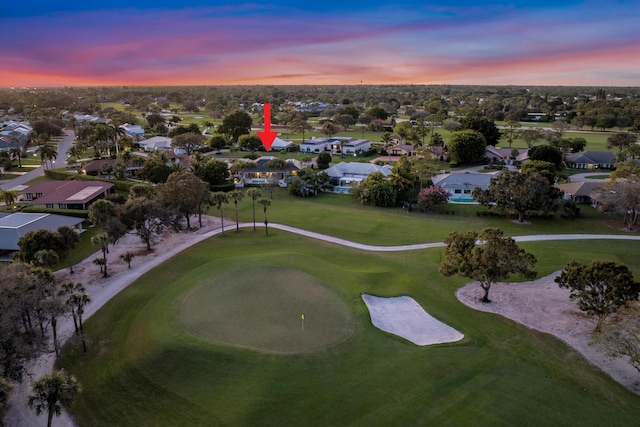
(487, 257)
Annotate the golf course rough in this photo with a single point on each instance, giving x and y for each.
(270, 309)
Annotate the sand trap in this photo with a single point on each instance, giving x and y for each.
(404, 317)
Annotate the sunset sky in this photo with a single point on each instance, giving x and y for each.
(134, 42)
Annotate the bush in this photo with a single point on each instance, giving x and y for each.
(76, 213)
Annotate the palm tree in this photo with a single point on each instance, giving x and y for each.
(70, 239)
(265, 203)
(236, 196)
(47, 153)
(128, 257)
(254, 193)
(68, 289)
(102, 240)
(9, 197)
(52, 392)
(80, 300)
(219, 198)
(115, 133)
(16, 153)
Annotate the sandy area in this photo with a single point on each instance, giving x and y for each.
(544, 306)
(404, 317)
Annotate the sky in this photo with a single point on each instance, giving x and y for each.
(286, 42)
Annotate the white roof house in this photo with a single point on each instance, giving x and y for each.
(461, 184)
(356, 146)
(156, 143)
(280, 144)
(345, 175)
(134, 131)
(315, 145)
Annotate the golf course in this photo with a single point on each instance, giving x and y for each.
(216, 336)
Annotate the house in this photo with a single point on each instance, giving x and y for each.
(95, 167)
(81, 118)
(73, 194)
(280, 144)
(460, 185)
(155, 143)
(401, 149)
(134, 131)
(506, 155)
(356, 147)
(315, 145)
(580, 192)
(23, 128)
(346, 175)
(591, 160)
(16, 225)
(257, 173)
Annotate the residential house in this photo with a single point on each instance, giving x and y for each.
(72, 194)
(315, 145)
(280, 144)
(136, 132)
(346, 175)
(591, 160)
(155, 143)
(506, 155)
(256, 172)
(580, 192)
(23, 128)
(460, 185)
(401, 149)
(356, 147)
(16, 225)
(95, 167)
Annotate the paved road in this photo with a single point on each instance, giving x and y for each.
(20, 415)
(63, 146)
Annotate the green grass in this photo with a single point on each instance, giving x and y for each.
(340, 215)
(142, 369)
(262, 307)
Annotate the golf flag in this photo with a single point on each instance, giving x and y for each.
(303, 317)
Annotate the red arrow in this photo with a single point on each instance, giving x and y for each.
(267, 137)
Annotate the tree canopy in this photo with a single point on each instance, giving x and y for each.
(236, 124)
(600, 287)
(486, 127)
(515, 191)
(487, 257)
(467, 146)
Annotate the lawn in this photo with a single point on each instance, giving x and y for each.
(144, 367)
(340, 215)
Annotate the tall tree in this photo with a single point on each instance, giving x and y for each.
(183, 192)
(148, 219)
(188, 141)
(36, 240)
(487, 128)
(9, 197)
(52, 392)
(235, 196)
(219, 199)
(600, 287)
(466, 147)
(102, 241)
(515, 191)
(236, 124)
(5, 392)
(494, 259)
(255, 194)
(265, 204)
(531, 136)
(622, 142)
(70, 239)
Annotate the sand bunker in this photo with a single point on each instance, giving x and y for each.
(404, 317)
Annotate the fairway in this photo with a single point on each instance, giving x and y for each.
(262, 307)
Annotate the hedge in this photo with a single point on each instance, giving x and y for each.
(77, 213)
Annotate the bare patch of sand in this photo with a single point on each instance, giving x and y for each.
(544, 306)
(404, 317)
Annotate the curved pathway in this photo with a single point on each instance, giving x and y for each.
(20, 415)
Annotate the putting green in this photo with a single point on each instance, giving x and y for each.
(262, 307)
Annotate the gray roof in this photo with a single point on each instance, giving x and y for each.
(467, 180)
(356, 169)
(592, 157)
(16, 225)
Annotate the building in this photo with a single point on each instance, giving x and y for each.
(460, 185)
(355, 147)
(580, 192)
(155, 143)
(258, 173)
(591, 160)
(14, 226)
(280, 144)
(315, 145)
(73, 194)
(347, 175)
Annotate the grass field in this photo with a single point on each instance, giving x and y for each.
(143, 369)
